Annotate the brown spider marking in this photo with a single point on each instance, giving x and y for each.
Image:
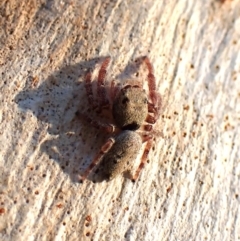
(134, 112)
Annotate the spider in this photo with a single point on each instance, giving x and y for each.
(134, 112)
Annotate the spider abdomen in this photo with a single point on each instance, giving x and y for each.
(122, 154)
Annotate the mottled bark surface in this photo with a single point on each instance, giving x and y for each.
(189, 190)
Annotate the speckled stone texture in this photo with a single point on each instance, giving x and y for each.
(189, 190)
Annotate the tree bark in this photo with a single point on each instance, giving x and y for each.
(189, 190)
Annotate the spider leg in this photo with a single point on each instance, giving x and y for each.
(158, 104)
(109, 128)
(151, 119)
(101, 90)
(153, 94)
(104, 149)
(147, 127)
(151, 108)
(155, 111)
(148, 139)
(150, 76)
(114, 90)
(88, 87)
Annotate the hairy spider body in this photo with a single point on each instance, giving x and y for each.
(130, 108)
(122, 153)
(134, 112)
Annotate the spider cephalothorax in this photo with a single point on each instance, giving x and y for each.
(130, 108)
(134, 112)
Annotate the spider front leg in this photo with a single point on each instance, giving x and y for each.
(89, 91)
(154, 110)
(101, 89)
(104, 149)
(153, 94)
(147, 149)
(109, 128)
(156, 106)
(150, 76)
(114, 90)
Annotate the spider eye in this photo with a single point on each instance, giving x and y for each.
(125, 101)
(145, 101)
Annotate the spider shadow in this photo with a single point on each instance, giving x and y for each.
(131, 70)
(54, 103)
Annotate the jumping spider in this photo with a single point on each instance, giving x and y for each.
(134, 112)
